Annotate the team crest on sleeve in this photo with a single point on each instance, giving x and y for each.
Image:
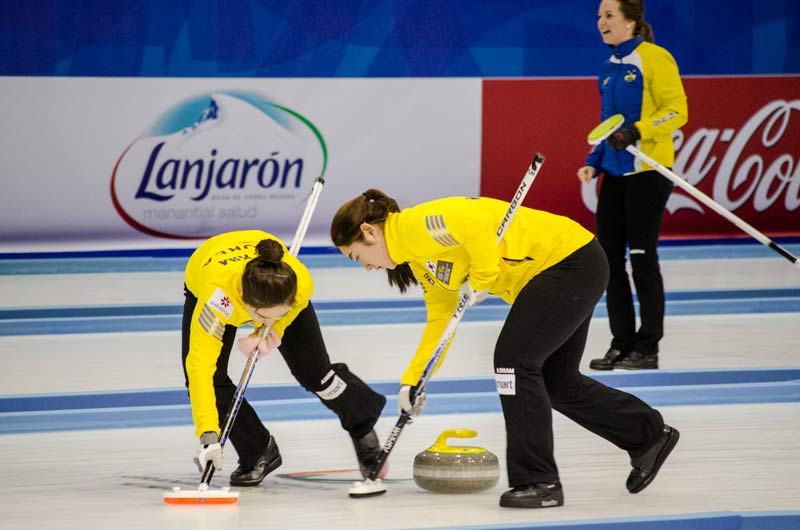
(438, 230)
(220, 301)
(443, 271)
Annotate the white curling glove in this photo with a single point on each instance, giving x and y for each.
(475, 297)
(209, 451)
(249, 343)
(404, 402)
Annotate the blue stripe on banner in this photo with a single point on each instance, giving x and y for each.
(106, 319)
(733, 295)
(95, 265)
(166, 260)
(159, 253)
(150, 408)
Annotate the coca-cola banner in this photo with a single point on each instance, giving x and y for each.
(741, 147)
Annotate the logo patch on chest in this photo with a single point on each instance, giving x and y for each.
(443, 271)
(220, 301)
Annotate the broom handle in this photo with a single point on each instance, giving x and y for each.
(513, 206)
(714, 205)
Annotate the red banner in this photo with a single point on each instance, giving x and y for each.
(741, 147)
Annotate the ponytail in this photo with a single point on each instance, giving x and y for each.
(371, 207)
(634, 10)
(267, 280)
(644, 29)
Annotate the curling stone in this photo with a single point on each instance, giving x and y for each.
(454, 469)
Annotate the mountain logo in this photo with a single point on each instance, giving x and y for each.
(218, 162)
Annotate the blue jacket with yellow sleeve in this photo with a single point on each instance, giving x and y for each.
(640, 81)
(214, 276)
(447, 240)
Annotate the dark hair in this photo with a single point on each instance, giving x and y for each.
(634, 10)
(373, 207)
(267, 281)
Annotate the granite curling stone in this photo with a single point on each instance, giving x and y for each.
(453, 469)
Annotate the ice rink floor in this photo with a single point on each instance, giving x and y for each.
(95, 425)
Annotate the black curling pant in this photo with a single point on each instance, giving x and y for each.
(302, 347)
(536, 364)
(630, 210)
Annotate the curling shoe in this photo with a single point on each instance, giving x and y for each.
(537, 495)
(368, 450)
(637, 361)
(267, 463)
(612, 356)
(646, 466)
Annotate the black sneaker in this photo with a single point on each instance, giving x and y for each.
(368, 450)
(646, 467)
(267, 463)
(612, 356)
(637, 361)
(537, 495)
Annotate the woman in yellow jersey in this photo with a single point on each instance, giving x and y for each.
(552, 272)
(249, 277)
(640, 81)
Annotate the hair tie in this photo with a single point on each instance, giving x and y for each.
(369, 199)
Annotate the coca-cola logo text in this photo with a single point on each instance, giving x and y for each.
(765, 177)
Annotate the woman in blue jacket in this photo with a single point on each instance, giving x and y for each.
(640, 81)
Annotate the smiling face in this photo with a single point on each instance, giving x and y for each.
(267, 315)
(371, 252)
(614, 27)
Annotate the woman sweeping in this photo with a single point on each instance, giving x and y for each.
(552, 271)
(249, 277)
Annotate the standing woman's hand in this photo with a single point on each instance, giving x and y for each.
(586, 174)
(248, 344)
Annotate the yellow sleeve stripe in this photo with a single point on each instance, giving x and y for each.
(210, 323)
(438, 230)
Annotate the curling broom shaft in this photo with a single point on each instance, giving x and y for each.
(389, 445)
(236, 403)
(244, 381)
(294, 249)
(711, 203)
(513, 206)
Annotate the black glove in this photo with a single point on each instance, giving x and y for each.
(624, 137)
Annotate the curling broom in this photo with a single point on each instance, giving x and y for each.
(373, 486)
(610, 126)
(204, 495)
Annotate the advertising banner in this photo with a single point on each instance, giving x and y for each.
(149, 163)
(741, 147)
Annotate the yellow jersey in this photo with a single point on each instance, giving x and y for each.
(214, 276)
(446, 240)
